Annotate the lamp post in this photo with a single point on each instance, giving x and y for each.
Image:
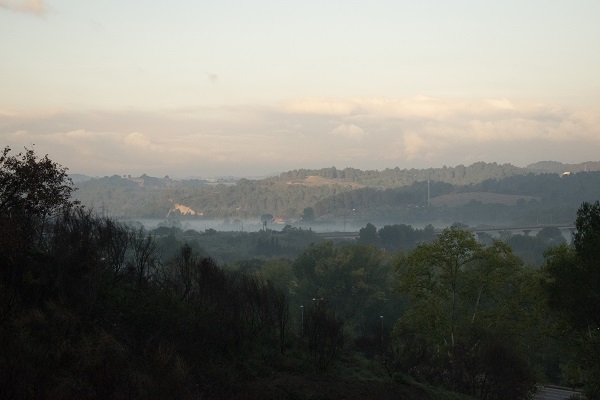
(302, 321)
(381, 317)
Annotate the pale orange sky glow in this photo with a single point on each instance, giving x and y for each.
(189, 89)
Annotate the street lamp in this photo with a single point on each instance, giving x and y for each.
(302, 321)
(381, 317)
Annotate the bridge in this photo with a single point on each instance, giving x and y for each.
(500, 230)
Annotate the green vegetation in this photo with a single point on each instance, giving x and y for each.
(468, 313)
(574, 294)
(482, 193)
(236, 248)
(91, 308)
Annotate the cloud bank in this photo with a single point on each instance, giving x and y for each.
(35, 7)
(366, 133)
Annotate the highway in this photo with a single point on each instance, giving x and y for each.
(555, 393)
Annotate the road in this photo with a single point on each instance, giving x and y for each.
(495, 229)
(554, 393)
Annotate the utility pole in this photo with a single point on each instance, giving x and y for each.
(428, 193)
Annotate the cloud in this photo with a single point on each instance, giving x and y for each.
(416, 107)
(349, 131)
(137, 139)
(35, 7)
(247, 140)
(477, 120)
(320, 106)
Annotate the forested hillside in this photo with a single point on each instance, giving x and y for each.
(92, 308)
(481, 193)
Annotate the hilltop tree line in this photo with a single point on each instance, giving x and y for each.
(90, 309)
(397, 196)
(396, 177)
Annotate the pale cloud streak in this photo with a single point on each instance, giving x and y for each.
(35, 7)
(321, 106)
(416, 107)
(367, 133)
(485, 119)
(349, 131)
(415, 146)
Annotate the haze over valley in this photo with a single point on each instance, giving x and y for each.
(543, 193)
(289, 200)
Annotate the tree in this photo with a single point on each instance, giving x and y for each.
(368, 234)
(308, 214)
(459, 294)
(353, 280)
(587, 236)
(265, 218)
(33, 186)
(551, 236)
(31, 189)
(574, 271)
(437, 268)
(572, 287)
(399, 236)
(325, 335)
(145, 257)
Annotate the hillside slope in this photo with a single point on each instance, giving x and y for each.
(402, 195)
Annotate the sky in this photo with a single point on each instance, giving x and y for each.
(253, 88)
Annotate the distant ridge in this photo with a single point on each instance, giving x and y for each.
(417, 195)
(459, 174)
(557, 167)
(78, 178)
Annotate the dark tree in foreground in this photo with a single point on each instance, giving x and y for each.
(575, 271)
(32, 185)
(467, 319)
(324, 332)
(574, 291)
(31, 190)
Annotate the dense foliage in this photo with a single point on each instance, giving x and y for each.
(468, 313)
(91, 308)
(32, 186)
(574, 293)
(478, 194)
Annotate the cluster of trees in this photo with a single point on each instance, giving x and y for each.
(92, 313)
(468, 324)
(550, 198)
(90, 309)
(460, 175)
(395, 237)
(396, 177)
(233, 247)
(573, 287)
